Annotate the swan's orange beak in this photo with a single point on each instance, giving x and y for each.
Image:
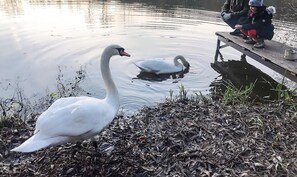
(123, 53)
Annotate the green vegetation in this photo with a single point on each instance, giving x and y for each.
(234, 95)
(20, 106)
(3, 121)
(182, 92)
(170, 95)
(201, 97)
(66, 88)
(286, 95)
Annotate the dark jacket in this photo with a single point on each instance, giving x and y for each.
(261, 22)
(238, 8)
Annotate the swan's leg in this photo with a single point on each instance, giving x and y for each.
(94, 143)
(173, 76)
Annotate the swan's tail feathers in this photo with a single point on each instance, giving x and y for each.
(141, 68)
(34, 144)
(136, 64)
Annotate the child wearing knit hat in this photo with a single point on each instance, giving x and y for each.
(258, 25)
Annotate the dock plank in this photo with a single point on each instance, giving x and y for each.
(272, 54)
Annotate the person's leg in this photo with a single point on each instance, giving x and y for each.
(241, 20)
(232, 22)
(244, 32)
(250, 35)
(258, 42)
(253, 34)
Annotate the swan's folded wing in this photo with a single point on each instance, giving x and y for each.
(157, 65)
(73, 120)
(146, 66)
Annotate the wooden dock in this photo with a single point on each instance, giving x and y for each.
(271, 56)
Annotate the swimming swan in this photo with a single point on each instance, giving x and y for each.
(162, 66)
(77, 118)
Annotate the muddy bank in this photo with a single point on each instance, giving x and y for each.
(180, 138)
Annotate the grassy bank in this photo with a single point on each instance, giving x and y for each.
(229, 134)
(181, 137)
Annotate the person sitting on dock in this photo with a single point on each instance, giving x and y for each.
(258, 25)
(233, 11)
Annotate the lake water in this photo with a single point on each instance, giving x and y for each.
(38, 37)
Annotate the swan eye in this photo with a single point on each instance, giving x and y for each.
(122, 52)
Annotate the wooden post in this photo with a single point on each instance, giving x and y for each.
(217, 50)
(271, 56)
(243, 57)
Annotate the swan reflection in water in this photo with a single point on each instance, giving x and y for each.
(161, 77)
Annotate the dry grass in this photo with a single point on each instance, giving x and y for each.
(177, 138)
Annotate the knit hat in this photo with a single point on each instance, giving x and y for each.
(256, 3)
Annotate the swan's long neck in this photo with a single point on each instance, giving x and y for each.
(176, 63)
(112, 95)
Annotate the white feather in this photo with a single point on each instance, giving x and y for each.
(76, 118)
(162, 66)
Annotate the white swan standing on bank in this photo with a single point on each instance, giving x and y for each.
(162, 66)
(77, 118)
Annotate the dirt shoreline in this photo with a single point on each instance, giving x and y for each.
(176, 138)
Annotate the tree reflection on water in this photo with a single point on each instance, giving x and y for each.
(286, 9)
